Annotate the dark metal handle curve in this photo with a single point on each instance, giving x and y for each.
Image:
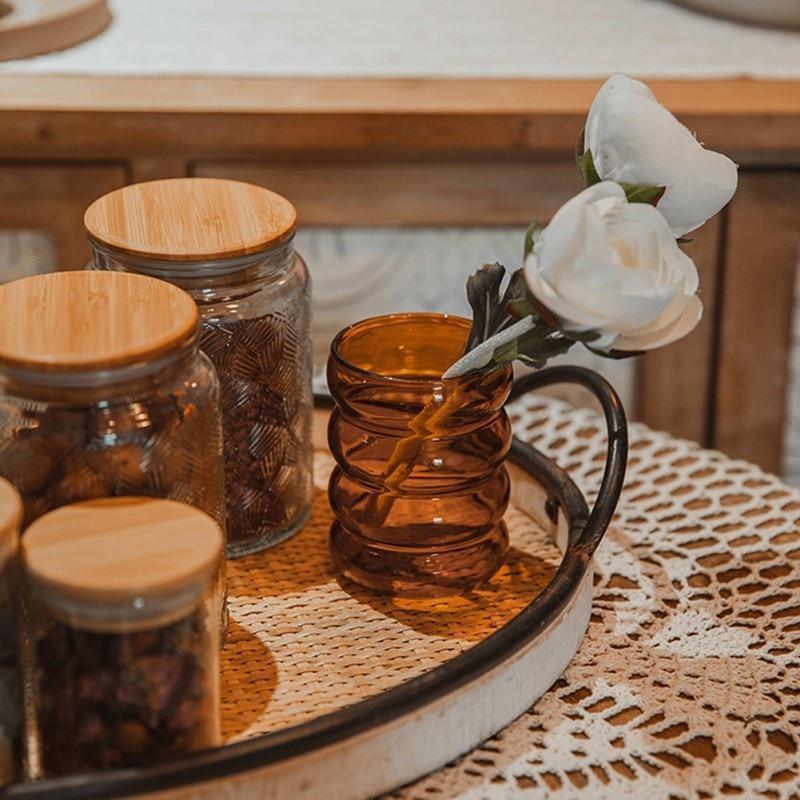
(617, 452)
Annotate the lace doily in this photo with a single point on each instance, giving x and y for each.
(687, 684)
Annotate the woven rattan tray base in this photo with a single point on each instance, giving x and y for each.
(301, 644)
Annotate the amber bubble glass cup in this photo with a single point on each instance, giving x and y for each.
(420, 489)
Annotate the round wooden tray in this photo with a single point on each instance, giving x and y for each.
(332, 691)
(31, 27)
(780, 13)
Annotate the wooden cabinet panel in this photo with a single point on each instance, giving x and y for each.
(397, 193)
(52, 198)
(676, 382)
(761, 255)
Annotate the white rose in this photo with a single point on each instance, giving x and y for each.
(634, 139)
(606, 265)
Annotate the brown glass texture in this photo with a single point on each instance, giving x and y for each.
(420, 488)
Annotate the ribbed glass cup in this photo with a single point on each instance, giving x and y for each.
(420, 487)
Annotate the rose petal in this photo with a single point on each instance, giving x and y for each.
(705, 188)
(616, 84)
(577, 318)
(639, 141)
(684, 324)
(634, 139)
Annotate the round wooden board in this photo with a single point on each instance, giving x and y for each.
(32, 27)
(780, 13)
(333, 691)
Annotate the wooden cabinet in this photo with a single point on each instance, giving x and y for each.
(412, 192)
(42, 207)
(446, 155)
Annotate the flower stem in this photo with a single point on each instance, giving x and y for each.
(482, 355)
(425, 425)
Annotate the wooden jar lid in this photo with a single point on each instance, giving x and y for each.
(190, 219)
(10, 519)
(72, 321)
(115, 549)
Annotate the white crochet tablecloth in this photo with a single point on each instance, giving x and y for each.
(687, 684)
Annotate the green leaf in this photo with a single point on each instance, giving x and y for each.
(579, 144)
(616, 355)
(530, 234)
(491, 313)
(581, 336)
(587, 168)
(523, 307)
(533, 348)
(643, 194)
(483, 294)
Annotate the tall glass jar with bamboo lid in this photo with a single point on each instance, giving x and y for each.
(104, 392)
(10, 683)
(230, 245)
(122, 635)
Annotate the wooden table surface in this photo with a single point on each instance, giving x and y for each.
(416, 38)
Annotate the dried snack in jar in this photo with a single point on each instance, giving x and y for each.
(123, 651)
(235, 256)
(130, 407)
(10, 683)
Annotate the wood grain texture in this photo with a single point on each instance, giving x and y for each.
(68, 321)
(375, 95)
(33, 27)
(675, 383)
(10, 519)
(760, 259)
(397, 193)
(156, 168)
(252, 117)
(53, 197)
(188, 219)
(112, 549)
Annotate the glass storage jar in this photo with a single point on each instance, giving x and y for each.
(230, 246)
(104, 392)
(420, 486)
(10, 684)
(122, 635)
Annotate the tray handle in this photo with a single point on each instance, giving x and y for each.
(617, 452)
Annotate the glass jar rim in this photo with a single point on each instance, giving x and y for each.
(121, 375)
(418, 380)
(189, 268)
(123, 616)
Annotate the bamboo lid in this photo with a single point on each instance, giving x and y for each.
(10, 519)
(113, 550)
(71, 321)
(190, 219)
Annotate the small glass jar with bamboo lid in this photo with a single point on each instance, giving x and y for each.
(10, 683)
(122, 655)
(231, 246)
(104, 392)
